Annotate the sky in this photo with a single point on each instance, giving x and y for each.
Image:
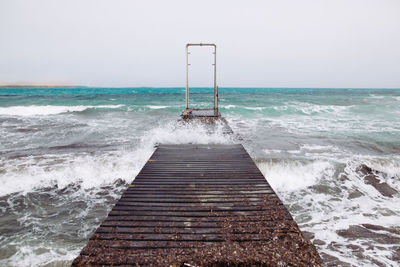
(282, 43)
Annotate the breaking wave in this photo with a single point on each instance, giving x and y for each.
(48, 110)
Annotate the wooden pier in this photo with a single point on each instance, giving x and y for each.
(199, 205)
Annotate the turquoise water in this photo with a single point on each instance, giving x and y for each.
(66, 154)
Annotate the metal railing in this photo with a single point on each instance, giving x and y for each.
(215, 75)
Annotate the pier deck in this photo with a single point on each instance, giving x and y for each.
(199, 205)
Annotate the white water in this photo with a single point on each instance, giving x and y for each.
(55, 198)
(27, 174)
(328, 196)
(85, 180)
(47, 110)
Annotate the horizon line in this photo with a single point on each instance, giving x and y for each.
(174, 87)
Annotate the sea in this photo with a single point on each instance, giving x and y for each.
(67, 154)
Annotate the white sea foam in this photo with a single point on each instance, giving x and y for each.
(28, 255)
(338, 199)
(311, 109)
(182, 133)
(255, 108)
(316, 148)
(48, 110)
(228, 106)
(272, 151)
(156, 107)
(376, 96)
(317, 182)
(388, 169)
(281, 108)
(287, 175)
(92, 171)
(341, 123)
(86, 170)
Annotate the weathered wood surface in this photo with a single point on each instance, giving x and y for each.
(201, 205)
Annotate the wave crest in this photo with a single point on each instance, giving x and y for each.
(291, 175)
(48, 110)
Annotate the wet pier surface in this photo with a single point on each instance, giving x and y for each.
(199, 205)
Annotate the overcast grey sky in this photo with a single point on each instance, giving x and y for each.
(299, 43)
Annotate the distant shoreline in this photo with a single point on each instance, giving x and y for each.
(40, 86)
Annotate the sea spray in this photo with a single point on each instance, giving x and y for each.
(290, 175)
(89, 170)
(67, 154)
(327, 198)
(81, 188)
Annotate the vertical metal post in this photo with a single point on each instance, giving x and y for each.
(187, 76)
(215, 83)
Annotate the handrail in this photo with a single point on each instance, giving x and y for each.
(215, 74)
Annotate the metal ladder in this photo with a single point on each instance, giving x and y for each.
(201, 112)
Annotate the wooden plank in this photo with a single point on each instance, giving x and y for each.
(189, 220)
(192, 202)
